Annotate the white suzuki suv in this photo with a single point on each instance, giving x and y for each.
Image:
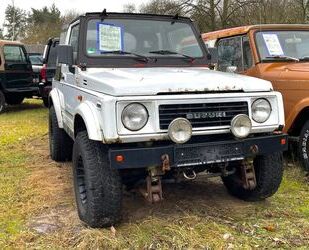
(133, 102)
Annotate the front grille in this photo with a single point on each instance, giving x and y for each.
(202, 114)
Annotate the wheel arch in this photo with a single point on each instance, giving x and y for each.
(54, 100)
(86, 119)
(299, 121)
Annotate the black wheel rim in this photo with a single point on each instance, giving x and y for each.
(80, 181)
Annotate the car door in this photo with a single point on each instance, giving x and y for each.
(50, 58)
(68, 81)
(2, 73)
(17, 67)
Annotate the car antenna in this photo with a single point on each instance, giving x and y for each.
(176, 17)
(103, 15)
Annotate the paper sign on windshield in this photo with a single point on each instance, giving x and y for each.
(110, 37)
(273, 45)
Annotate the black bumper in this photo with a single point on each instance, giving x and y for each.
(197, 153)
(26, 91)
(33, 90)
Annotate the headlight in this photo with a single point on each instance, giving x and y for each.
(261, 110)
(241, 126)
(180, 130)
(134, 116)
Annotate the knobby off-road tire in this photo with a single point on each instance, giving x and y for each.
(303, 147)
(268, 171)
(98, 188)
(2, 102)
(14, 99)
(60, 144)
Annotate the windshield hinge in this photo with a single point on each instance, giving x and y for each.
(83, 66)
(176, 17)
(103, 15)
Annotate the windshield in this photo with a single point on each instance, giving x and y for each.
(148, 38)
(283, 45)
(36, 59)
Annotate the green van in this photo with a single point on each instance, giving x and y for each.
(16, 75)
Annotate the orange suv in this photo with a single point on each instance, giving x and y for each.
(280, 54)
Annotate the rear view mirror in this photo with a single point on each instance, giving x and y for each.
(65, 54)
(214, 55)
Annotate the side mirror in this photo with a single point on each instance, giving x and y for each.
(214, 55)
(231, 69)
(65, 54)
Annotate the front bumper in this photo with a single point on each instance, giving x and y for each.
(24, 90)
(195, 154)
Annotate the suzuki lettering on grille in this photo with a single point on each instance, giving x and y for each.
(204, 115)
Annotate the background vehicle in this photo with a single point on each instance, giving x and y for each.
(280, 54)
(48, 70)
(16, 80)
(128, 105)
(36, 60)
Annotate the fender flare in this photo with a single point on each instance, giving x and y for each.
(87, 112)
(54, 99)
(297, 109)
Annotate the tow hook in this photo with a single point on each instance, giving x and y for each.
(189, 174)
(165, 163)
(248, 176)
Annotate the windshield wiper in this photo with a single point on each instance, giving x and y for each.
(304, 58)
(120, 52)
(169, 52)
(283, 58)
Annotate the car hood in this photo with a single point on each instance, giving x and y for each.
(293, 70)
(298, 67)
(153, 81)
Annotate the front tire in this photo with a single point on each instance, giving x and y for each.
(98, 187)
(303, 146)
(2, 102)
(60, 144)
(269, 173)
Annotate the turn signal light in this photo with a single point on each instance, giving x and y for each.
(119, 158)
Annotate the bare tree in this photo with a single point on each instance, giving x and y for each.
(217, 14)
(162, 7)
(303, 7)
(130, 8)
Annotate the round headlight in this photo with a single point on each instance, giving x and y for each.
(134, 116)
(180, 130)
(241, 126)
(261, 110)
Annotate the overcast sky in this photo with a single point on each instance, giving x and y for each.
(66, 5)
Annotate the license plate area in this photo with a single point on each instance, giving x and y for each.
(201, 155)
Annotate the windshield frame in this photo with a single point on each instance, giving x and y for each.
(130, 61)
(275, 60)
